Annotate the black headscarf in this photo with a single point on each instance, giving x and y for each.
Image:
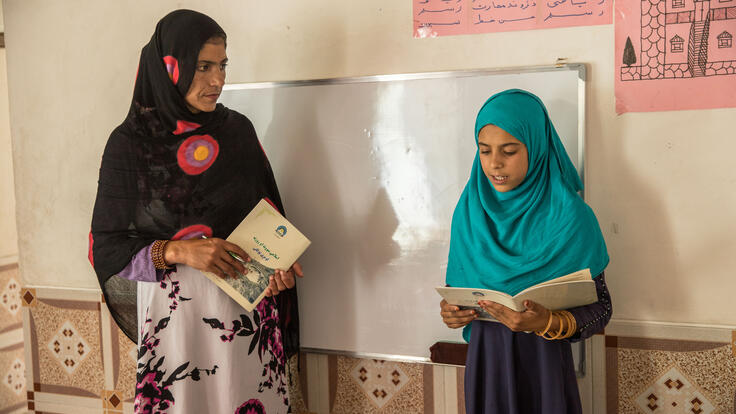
(168, 173)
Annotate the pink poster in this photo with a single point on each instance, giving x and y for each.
(452, 17)
(675, 54)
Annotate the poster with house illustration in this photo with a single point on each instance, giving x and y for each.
(675, 54)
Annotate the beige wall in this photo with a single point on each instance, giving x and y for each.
(8, 233)
(662, 184)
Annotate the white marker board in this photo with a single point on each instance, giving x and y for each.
(370, 170)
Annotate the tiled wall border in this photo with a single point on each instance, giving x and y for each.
(69, 399)
(442, 384)
(441, 390)
(11, 339)
(669, 339)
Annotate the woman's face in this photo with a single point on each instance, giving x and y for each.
(504, 158)
(209, 77)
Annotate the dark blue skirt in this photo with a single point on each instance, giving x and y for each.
(518, 373)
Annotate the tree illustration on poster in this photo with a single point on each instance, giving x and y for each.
(629, 54)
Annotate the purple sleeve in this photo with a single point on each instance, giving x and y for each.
(592, 318)
(141, 269)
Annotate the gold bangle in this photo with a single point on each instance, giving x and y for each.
(562, 315)
(157, 254)
(557, 335)
(546, 328)
(572, 325)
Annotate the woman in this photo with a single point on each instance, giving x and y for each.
(519, 222)
(178, 168)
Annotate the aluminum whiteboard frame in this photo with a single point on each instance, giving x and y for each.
(582, 78)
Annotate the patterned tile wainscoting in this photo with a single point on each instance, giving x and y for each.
(343, 385)
(12, 364)
(61, 352)
(650, 373)
(76, 359)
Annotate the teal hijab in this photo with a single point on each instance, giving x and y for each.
(538, 231)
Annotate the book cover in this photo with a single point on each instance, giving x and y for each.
(272, 242)
(564, 292)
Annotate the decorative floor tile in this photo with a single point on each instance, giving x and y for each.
(10, 300)
(379, 380)
(401, 382)
(674, 392)
(669, 376)
(15, 377)
(111, 400)
(296, 398)
(10, 297)
(12, 360)
(28, 297)
(126, 365)
(68, 347)
(12, 368)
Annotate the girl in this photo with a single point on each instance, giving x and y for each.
(520, 221)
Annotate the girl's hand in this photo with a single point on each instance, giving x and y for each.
(282, 280)
(534, 318)
(209, 255)
(455, 318)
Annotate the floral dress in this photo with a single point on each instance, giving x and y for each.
(201, 352)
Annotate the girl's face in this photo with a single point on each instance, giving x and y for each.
(504, 158)
(209, 77)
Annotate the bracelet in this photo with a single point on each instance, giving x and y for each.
(157, 254)
(546, 328)
(572, 324)
(559, 333)
(567, 326)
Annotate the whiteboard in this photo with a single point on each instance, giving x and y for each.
(370, 170)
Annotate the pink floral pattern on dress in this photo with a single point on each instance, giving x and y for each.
(152, 394)
(266, 338)
(251, 406)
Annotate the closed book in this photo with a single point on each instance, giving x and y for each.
(272, 242)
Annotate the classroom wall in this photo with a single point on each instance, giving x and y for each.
(662, 184)
(8, 232)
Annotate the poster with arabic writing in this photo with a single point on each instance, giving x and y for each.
(675, 54)
(453, 17)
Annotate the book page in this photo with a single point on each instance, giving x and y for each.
(564, 295)
(468, 297)
(579, 275)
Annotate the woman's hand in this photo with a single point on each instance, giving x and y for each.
(282, 280)
(209, 255)
(534, 318)
(455, 318)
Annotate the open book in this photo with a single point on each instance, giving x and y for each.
(271, 242)
(564, 292)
